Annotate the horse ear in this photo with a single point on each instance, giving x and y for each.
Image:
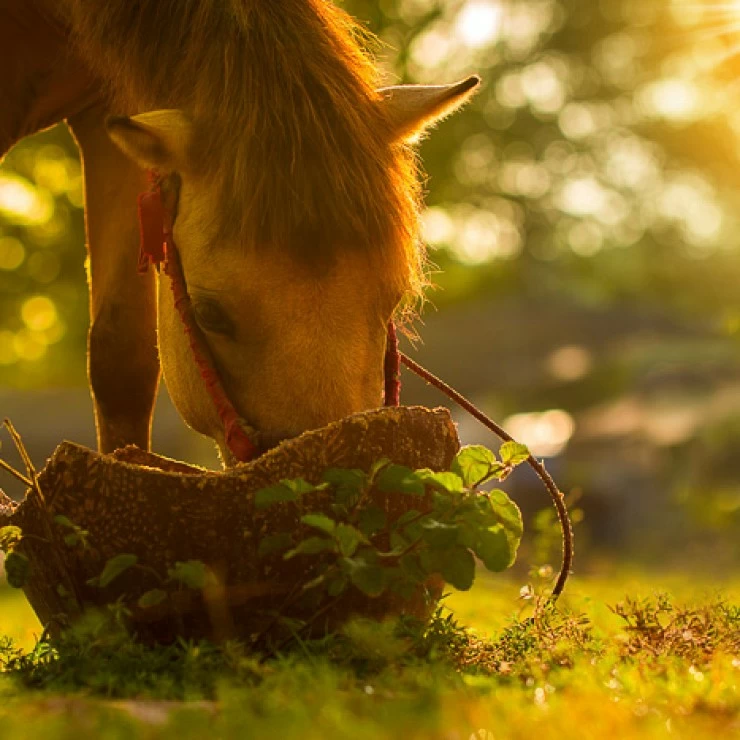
(156, 140)
(414, 108)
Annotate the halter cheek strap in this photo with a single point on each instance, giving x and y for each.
(157, 211)
(151, 229)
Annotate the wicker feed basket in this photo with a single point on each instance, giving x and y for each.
(163, 512)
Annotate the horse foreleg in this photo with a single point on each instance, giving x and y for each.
(123, 364)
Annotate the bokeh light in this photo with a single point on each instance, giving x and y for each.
(22, 203)
(39, 313)
(12, 253)
(479, 22)
(546, 433)
(570, 363)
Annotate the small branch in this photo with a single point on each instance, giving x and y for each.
(15, 473)
(23, 452)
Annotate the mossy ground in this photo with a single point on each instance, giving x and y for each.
(670, 667)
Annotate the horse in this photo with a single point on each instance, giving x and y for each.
(297, 204)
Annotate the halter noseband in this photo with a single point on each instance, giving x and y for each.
(157, 213)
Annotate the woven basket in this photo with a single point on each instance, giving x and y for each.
(164, 511)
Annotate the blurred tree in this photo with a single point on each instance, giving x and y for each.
(597, 165)
(43, 301)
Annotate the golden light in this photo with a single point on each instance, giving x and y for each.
(672, 98)
(479, 23)
(8, 355)
(12, 253)
(546, 433)
(437, 226)
(39, 313)
(570, 362)
(21, 203)
(28, 346)
(714, 27)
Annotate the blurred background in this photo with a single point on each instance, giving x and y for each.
(584, 225)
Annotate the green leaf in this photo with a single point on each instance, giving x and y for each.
(411, 567)
(152, 598)
(507, 513)
(113, 568)
(377, 466)
(347, 484)
(368, 577)
(337, 585)
(458, 568)
(274, 495)
(302, 487)
(398, 541)
(449, 482)
(191, 573)
(439, 535)
(286, 490)
(321, 522)
(311, 546)
(513, 453)
(349, 539)
(17, 569)
(404, 588)
(9, 537)
(400, 479)
(77, 536)
(314, 582)
(345, 478)
(274, 543)
(467, 534)
(494, 549)
(474, 464)
(371, 520)
(404, 519)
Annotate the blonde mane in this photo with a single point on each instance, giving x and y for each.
(283, 93)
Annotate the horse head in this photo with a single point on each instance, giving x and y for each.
(297, 335)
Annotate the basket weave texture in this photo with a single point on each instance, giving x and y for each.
(165, 511)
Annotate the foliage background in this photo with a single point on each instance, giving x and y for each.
(583, 217)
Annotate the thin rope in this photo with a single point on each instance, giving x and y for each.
(557, 497)
(236, 432)
(392, 368)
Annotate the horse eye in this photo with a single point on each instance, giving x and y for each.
(211, 317)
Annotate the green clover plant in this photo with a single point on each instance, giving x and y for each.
(449, 524)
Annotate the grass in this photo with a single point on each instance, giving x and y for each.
(668, 667)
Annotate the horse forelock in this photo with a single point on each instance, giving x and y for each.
(283, 94)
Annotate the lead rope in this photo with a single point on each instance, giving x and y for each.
(555, 494)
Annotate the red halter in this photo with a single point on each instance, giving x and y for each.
(157, 212)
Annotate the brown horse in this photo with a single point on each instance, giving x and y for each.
(298, 206)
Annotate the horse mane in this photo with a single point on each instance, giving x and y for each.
(284, 95)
